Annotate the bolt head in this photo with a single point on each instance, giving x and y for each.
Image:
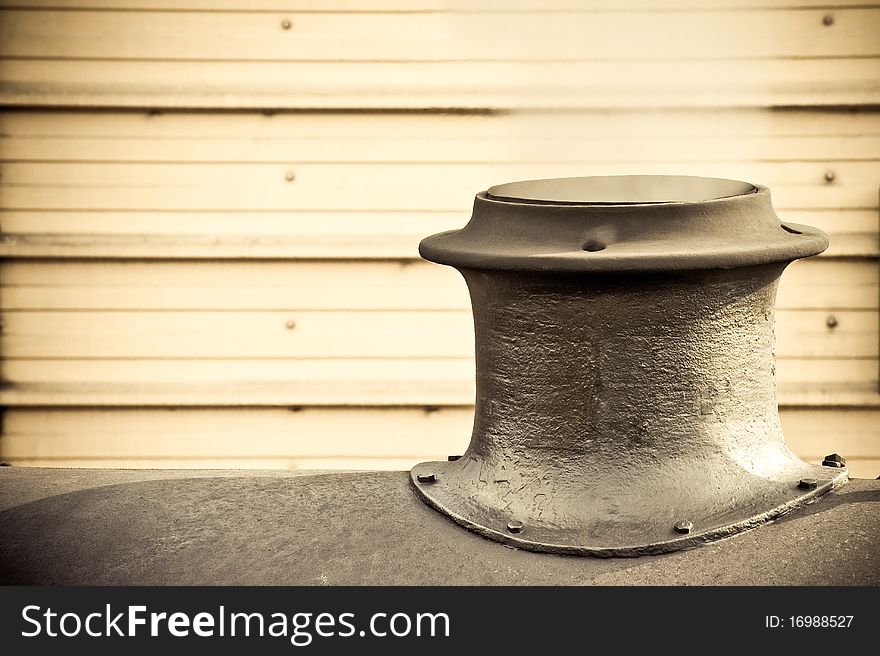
(808, 484)
(453, 458)
(683, 527)
(515, 526)
(426, 478)
(834, 460)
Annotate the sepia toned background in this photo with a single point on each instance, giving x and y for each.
(211, 208)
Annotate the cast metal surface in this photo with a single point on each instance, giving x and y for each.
(178, 527)
(625, 370)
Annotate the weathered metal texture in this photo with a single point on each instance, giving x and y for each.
(173, 527)
(625, 366)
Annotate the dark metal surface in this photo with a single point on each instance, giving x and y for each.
(530, 235)
(626, 399)
(88, 527)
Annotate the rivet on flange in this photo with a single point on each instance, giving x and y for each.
(834, 460)
(683, 527)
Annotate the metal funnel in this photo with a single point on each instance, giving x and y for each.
(626, 396)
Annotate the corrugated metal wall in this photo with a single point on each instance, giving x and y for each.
(210, 208)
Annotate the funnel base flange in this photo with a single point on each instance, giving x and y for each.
(647, 521)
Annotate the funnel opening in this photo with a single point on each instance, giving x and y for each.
(621, 190)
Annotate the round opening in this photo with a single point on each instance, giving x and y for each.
(592, 246)
(621, 190)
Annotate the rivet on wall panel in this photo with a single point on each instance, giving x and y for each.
(829, 176)
(828, 20)
(286, 24)
(831, 321)
(290, 325)
(289, 176)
